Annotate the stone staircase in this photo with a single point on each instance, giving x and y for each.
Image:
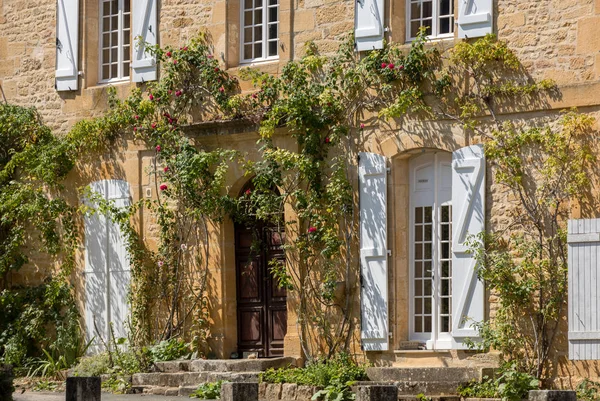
(183, 377)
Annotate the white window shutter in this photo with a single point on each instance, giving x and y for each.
(143, 66)
(475, 18)
(468, 218)
(373, 251)
(368, 24)
(119, 270)
(107, 268)
(584, 293)
(67, 45)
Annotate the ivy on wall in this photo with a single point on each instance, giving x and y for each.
(324, 104)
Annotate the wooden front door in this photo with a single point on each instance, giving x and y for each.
(261, 303)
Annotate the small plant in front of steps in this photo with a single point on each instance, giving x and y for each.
(510, 384)
(588, 390)
(169, 350)
(336, 391)
(423, 397)
(208, 391)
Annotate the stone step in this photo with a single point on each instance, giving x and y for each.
(444, 374)
(190, 378)
(239, 365)
(410, 389)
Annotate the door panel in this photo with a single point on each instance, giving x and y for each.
(262, 307)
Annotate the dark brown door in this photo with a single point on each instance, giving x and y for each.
(261, 303)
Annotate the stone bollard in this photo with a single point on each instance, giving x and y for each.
(83, 388)
(377, 393)
(552, 395)
(237, 391)
(6, 383)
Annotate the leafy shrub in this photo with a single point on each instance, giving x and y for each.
(169, 350)
(335, 392)
(510, 384)
(208, 391)
(588, 390)
(340, 369)
(94, 365)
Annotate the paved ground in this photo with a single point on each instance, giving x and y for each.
(41, 396)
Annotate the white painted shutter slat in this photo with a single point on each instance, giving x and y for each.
(143, 66)
(583, 309)
(368, 24)
(468, 218)
(67, 45)
(373, 252)
(475, 18)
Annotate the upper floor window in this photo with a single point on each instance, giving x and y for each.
(260, 30)
(115, 39)
(437, 16)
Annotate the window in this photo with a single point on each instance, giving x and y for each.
(437, 16)
(115, 39)
(260, 30)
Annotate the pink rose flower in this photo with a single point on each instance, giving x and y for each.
(163, 187)
(312, 229)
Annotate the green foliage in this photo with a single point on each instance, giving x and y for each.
(208, 391)
(340, 369)
(169, 350)
(510, 384)
(588, 390)
(94, 365)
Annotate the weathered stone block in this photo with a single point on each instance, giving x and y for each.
(288, 391)
(273, 392)
(305, 393)
(83, 388)
(239, 392)
(377, 393)
(552, 395)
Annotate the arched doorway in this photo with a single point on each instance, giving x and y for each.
(261, 303)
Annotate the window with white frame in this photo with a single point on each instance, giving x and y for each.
(260, 30)
(437, 16)
(115, 39)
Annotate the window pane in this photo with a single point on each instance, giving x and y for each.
(428, 233)
(418, 305)
(427, 324)
(126, 53)
(273, 14)
(428, 211)
(106, 40)
(427, 9)
(273, 2)
(125, 69)
(106, 8)
(445, 25)
(427, 247)
(445, 324)
(258, 50)
(446, 269)
(415, 11)
(273, 48)
(418, 233)
(126, 37)
(418, 288)
(115, 7)
(445, 306)
(445, 287)
(445, 250)
(247, 35)
(258, 3)
(105, 72)
(114, 39)
(418, 215)
(247, 4)
(247, 52)
(427, 288)
(273, 31)
(257, 33)
(414, 28)
(126, 6)
(427, 269)
(258, 16)
(418, 251)
(418, 269)
(114, 55)
(445, 232)
(105, 24)
(427, 303)
(444, 7)
(247, 18)
(418, 324)
(427, 24)
(114, 23)
(105, 56)
(114, 70)
(126, 21)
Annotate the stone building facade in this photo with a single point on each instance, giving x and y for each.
(556, 39)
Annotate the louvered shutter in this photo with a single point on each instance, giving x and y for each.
(368, 24)
(475, 18)
(468, 218)
(67, 45)
(143, 66)
(118, 262)
(107, 269)
(373, 252)
(584, 293)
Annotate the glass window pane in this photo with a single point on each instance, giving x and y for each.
(445, 232)
(126, 21)
(258, 33)
(427, 9)
(114, 39)
(114, 23)
(427, 287)
(106, 40)
(105, 24)
(258, 50)
(414, 28)
(427, 250)
(273, 15)
(415, 11)
(105, 72)
(427, 324)
(445, 25)
(418, 269)
(258, 16)
(445, 287)
(247, 4)
(428, 233)
(445, 324)
(445, 306)
(126, 53)
(418, 251)
(273, 48)
(106, 8)
(427, 24)
(247, 18)
(418, 306)
(105, 56)
(247, 52)
(273, 2)
(445, 214)
(114, 54)
(427, 305)
(418, 288)
(418, 215)
(445, 250)
(418, 233)
(247, 35)
(428, 214)
(273, 31)
(115, 7)
(125, 69)
(114, 70)
(258, 3)
(444, 7)
(427, 269)
(126, 37)
(126, 6)
(418, 324)
(446, 269)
